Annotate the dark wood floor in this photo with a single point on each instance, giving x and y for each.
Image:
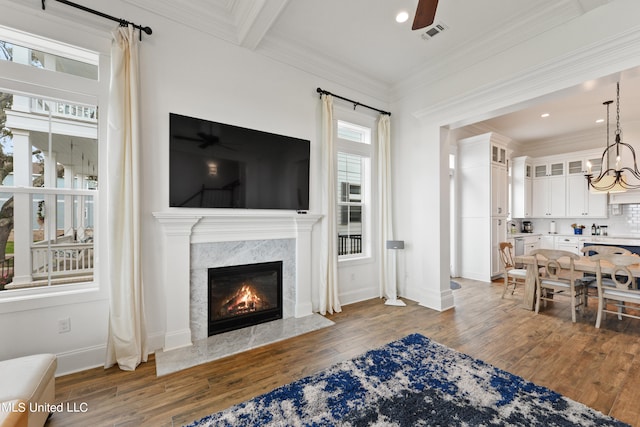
(600, 368)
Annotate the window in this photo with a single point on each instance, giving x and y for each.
(48, 164)
(354, 177)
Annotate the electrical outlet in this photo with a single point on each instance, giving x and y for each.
(64, 325)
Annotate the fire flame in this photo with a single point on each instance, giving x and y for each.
(246, 300)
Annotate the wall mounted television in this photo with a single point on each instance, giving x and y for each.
(217, 165)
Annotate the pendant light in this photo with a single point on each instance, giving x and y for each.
(615, 179)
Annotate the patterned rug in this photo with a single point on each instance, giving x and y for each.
(410, 382)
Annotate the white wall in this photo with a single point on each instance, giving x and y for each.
(187, 72)
(584, 49)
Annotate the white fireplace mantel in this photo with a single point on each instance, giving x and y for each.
(181, 228)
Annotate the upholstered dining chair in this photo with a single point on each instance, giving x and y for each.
(512, 275)
(619, 289)
(558, 277)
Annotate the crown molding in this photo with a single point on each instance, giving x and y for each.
(307, 59)
(208, 17)
(238, 22)
(600, 59)
(246, 24)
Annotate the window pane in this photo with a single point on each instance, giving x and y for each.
(68, 258)
(354, 133)
(349, 204)
(76, 66)
(46, 145)
(349, 177)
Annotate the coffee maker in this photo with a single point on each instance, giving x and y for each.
(527, 227)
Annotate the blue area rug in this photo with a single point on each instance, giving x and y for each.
(410, 382)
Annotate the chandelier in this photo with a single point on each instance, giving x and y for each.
(614, 180)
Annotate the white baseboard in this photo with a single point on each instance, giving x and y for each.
(94, 357)
(81, 359)
(358, 295)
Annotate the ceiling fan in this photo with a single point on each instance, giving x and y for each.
(425, 14)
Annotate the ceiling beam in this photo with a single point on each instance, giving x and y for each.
(254, 19)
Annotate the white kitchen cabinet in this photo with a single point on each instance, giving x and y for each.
(499, 153)
(567, 243)
(547, 242)
(549, 197)
(498, 234)
(549, 168)
(559, 187)
(499, 187)
(581, 203)
(578, 164)
(482, 181)
(549, 189)
(521, 187)
(531, 243)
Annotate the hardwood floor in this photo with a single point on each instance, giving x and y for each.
(599, 368)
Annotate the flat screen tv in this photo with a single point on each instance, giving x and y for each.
(217, 165)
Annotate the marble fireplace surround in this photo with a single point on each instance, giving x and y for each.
(193, 239)
(223, 254)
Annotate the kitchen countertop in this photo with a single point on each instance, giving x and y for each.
(626, 240)
(523, 234)
(620, 240)
(585, 237)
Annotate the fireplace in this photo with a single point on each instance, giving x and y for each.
(244, 295)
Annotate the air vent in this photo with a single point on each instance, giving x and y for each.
(432, 31)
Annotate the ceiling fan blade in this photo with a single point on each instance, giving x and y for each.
(187, 138)
(425, 14)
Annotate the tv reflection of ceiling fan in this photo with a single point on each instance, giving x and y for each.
(206, 140)
(425, 14)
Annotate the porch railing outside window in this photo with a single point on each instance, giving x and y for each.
(66, 110)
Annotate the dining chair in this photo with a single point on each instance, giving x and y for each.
(605, 250)
(589, 279)
(512, 275)
(557, 276)
(619, 289)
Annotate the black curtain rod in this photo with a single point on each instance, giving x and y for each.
(123, 22)
(355, 103)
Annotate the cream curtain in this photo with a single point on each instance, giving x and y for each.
(126, 344)
(329, 301)
(387, 270)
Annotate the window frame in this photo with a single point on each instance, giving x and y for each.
(367, 152)
(34, 82)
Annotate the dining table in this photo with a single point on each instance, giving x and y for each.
(582, 265)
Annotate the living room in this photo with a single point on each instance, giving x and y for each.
(189, 66)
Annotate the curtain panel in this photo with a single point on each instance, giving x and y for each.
(329, 302)
(126, 344)
(387, 269)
